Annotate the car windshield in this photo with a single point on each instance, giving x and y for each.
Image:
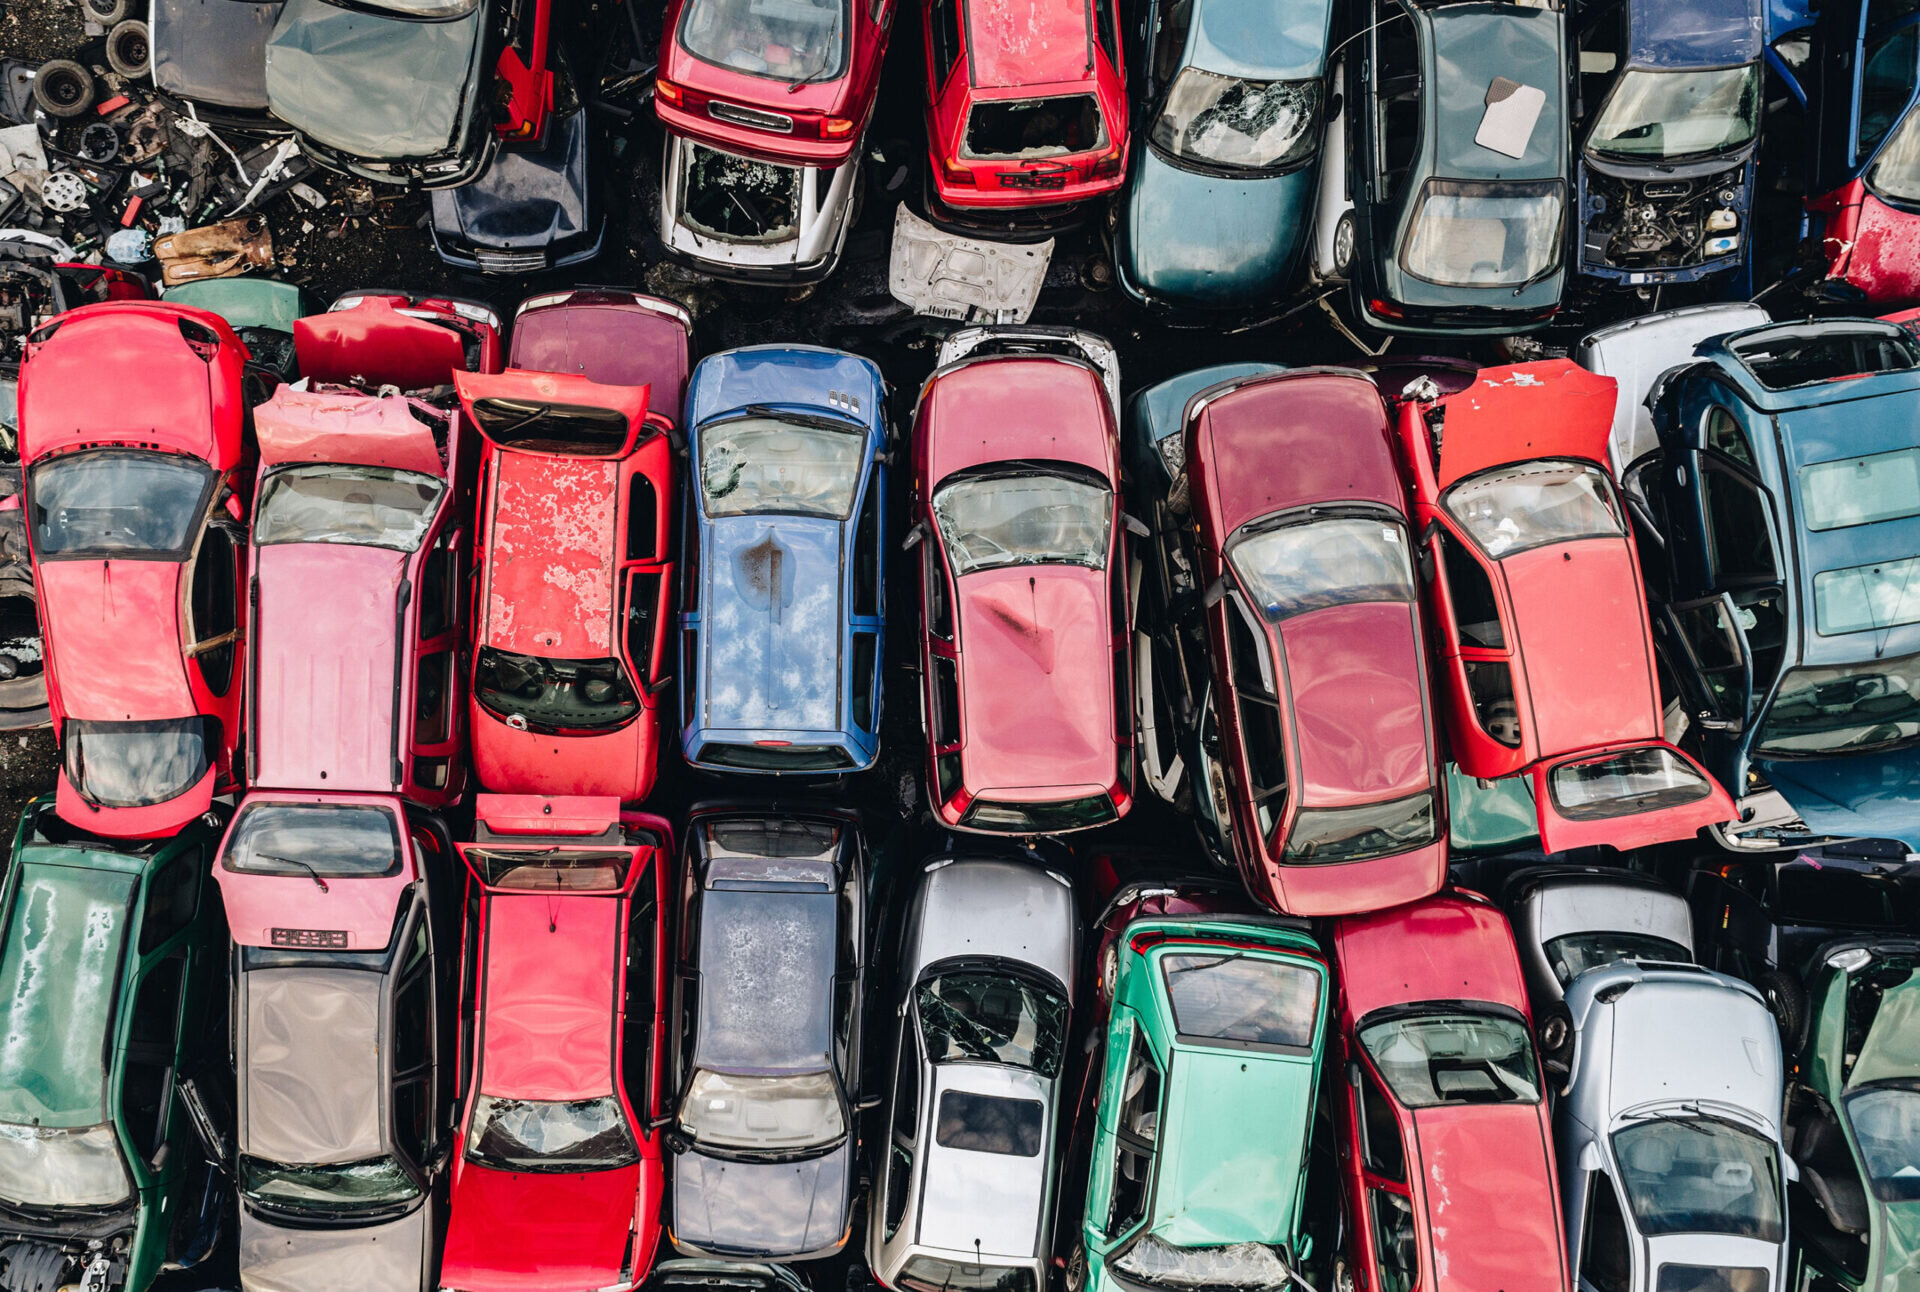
(1866, 598)
(1513, 508)
(550, 1134)
(1241, 1267)
(1321, 836)
(50, 1166)
(115, 501)
(1232, 124)
(1853, 707)
(1023, 518)
(135, 764)
(436, 10)
(551, 870)
(930, 1274)
(1886, 1122)
(1295, 568)
(975, 1016)
(343, 1187)
(784, 40)
(1029, 129)
(1239, 999)
(1575, 953)
(565, 694)
(314, 839)
(1625, 784)
(1469, 234)
(1454, 1058)
(1700, 1175)
(763, 1114)
(369, 506)
(1678, 114)
(764, 464)
(1895, 173)
(740, 199)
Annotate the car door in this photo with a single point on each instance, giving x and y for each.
(645, 578)
(896, 1174)
(414, 1045)
(1390, 98)
(1382, 1204)
(433, 769)
(1864, 78)
(1473, 637)
(1253, 727)
(1603, 1251)
(866, 576)
(1125, 1141)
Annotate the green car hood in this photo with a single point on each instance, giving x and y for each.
(1892, 1047)
(1233, 1148)
(374, 87)
(1899, 1268)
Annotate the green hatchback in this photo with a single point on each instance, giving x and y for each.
(112, 960)
(1205, 1107)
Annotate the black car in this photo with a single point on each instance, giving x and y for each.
(773, 948)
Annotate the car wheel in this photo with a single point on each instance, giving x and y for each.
(1787, 999)
(1342, 1275)
(63, 88)
(1556, 1039)
(1075, 1275)
(1344, 235)
(129, 52)
(108, 13)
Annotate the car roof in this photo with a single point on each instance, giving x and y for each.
(1700, 33)
(312, 1078)
(766, 962)
(1356, 681)
(1013, 43)
(550, 541)
(118, 625)
(1474, 44)
(1258, 41)
(1447, 947)
(983, 1203)
(773, 662)
(553, 975)
(614, 337)
(1016, 407)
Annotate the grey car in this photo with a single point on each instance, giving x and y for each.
(964, 1192)
(1672, 1170)
(772, 962)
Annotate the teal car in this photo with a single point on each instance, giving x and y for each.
(112, 965)
(261, 310)
(1202, 1122)
(1216, 214)
(1853, 1119)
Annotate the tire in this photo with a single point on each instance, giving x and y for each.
(1074, 1277)
(129, 50)
(1556, 1038)
(1787, 999)
(63, 88)
(108, 13)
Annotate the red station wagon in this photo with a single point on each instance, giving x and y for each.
(558, 1180)
(1023, 584)
(386, 339)
(1539, 616)
(1446, 1145)
(137, 478)
(1026, 105)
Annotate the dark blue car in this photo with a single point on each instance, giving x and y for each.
(783, 610)
(1668, 137)
(1786, 571)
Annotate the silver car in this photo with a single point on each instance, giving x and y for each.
(1672, 1170)
(756, 222)
(1569, 919)
(964, 1196)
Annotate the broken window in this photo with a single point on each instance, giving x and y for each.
(1023, 129)
(1240, 125)
(739, 199)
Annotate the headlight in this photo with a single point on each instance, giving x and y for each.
(1173, 452)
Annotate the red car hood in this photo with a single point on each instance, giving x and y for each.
(117, 625)
(1488, 1176)
(510, 1230)
(1036, 680)
(1358, 706)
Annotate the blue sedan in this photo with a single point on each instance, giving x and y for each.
(782, 610)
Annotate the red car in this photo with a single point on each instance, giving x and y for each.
(1026, 104)
(363, 508)
(1335, 795)
(1539, 615)
(386, 339)
(1446, 1145)
(1023, 584)
(559, 1180)
(571, 585)
(789, 81)
(137, 477)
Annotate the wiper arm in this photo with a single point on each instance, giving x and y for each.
(1215, 963)
(534, 416)
(312, 874)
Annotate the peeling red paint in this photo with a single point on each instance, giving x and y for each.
(1870, 245)
(550, 580)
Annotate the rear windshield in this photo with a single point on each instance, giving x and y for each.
(1861, 491)
(315, 839)
(1484, 235)
(739, 199)
(1321, 836)
(783, 40)
(1297, 568)
(1241, 999)
(1575, 953)
(135, 764)
(576, 430)
(1447, 1058)
(551, 870)
(776, 758)
(368, 506)
(1802, 354)
(113, 502)
(1039, 818)
(1639, 780)
(1026, 129)
(563, 694)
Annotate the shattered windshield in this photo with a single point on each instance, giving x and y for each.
(1514, 508)
(1678, 114)
(1325, 835)
(59, 1167)
(739, 199)
(991, 519)
(1625, 784)
(764, 1114)
(767, 465)
(1700, 1175)
(992, 1018)
(1454, 1058)
(344, 1187)
(1295, 568)
(1845, 709)
(111, 502)
(1474, 234)
(550, 1135)
(1243, 1267)
(783, 40)
(1886, 1122)
(565, 694)
(368, 506)
(1239, 125)
(1029, 129)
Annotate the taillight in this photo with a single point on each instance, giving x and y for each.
(955, 172)
(836, 127)
(1385, 309)
(668, 92)
(1109, 166)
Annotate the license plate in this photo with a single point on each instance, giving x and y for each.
(1029, 179)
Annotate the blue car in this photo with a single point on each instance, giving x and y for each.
(1785, 568)
(1669, 139)
(1217, 211)
(783, 604)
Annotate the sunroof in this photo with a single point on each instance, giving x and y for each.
(1782, 358)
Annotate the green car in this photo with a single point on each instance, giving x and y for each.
(261, 310)
(1204, 1114)
(1853, 1120)
(112, 965)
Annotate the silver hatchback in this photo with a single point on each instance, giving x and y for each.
(965, 1183)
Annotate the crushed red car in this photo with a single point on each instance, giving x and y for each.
(389, 339)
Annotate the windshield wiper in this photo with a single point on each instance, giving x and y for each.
(312, 874)
(534, 416)
(1215, 963)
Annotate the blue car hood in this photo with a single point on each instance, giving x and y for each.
(772, 652)
(1875, 796)
(1699, 33)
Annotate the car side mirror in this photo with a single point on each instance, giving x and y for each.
(868, 1104)
(1732, 726)
(233, 508)
(914, 535)
(1136, 526)
(661, 684)
(664, 1119)
(1215, 591)
(1789, 1168)
(160, 1156)
(1591, 1159)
